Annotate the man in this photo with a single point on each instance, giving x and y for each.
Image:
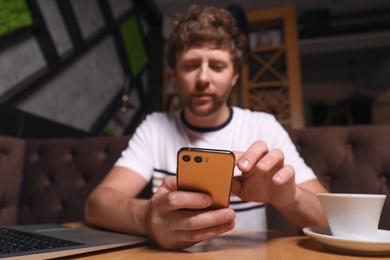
(205, 52)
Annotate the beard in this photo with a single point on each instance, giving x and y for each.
(206, 109)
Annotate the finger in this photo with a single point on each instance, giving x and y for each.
(191, 220)
(205, 225)
(238, 155)
(185, 239)
(185, 200)
(251, 157)
(236, 185)
(206, 233)
(273, 159)
(170, 183)
(284, 175)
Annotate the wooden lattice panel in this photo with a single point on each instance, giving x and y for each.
(267, 85)
(271, 100)
(271, 76)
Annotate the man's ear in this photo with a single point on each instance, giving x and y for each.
(236, 76)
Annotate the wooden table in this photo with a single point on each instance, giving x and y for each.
(238, 244)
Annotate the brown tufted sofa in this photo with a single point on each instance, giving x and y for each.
(349, 159)
(49, 180)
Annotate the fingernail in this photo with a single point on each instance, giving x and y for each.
(229, 216)
(244, 163)
(278, 178)
(206, 202)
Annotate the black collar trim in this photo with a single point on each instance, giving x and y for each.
(206, 129)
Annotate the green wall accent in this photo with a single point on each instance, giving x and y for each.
(14, 14)
(134, 44)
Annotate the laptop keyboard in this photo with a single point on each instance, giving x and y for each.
(15, 241)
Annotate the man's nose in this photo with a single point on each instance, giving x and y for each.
(204, 74)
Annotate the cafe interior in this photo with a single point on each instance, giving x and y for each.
(78, 77)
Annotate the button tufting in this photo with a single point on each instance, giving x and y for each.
(86, 178)
(107, 150)
(73, 151)
(4, 151)
(349, 146)
(51, 178)
(40, 151)
(63, 203)
(384, 178)
(328, 177)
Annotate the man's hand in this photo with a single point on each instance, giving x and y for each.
(175, 219)
(264, 178)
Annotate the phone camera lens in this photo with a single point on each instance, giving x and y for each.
(186, 158)
(198, 159)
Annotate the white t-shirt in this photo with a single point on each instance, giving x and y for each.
(152, 150)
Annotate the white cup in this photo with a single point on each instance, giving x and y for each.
(353, 216)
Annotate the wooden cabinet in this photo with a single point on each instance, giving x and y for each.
(271, 76)
(170, 95)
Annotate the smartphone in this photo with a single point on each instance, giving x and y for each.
(206, 170)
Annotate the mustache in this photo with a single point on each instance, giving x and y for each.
(201, 85)
(203, 93)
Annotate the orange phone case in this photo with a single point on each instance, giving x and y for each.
(211, 174)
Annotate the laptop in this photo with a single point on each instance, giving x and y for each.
(53, 240)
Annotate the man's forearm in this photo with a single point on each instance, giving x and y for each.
(305, 210)
(113, 210)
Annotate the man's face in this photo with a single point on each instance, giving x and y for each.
(205, 77)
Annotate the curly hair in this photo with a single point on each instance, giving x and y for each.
(206, 26)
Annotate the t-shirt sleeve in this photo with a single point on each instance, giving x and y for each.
(279, 138)
(138, 155)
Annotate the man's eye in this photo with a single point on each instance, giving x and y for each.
(190, 66)
(217, 67)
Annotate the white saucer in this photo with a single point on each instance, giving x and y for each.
(380, 245)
